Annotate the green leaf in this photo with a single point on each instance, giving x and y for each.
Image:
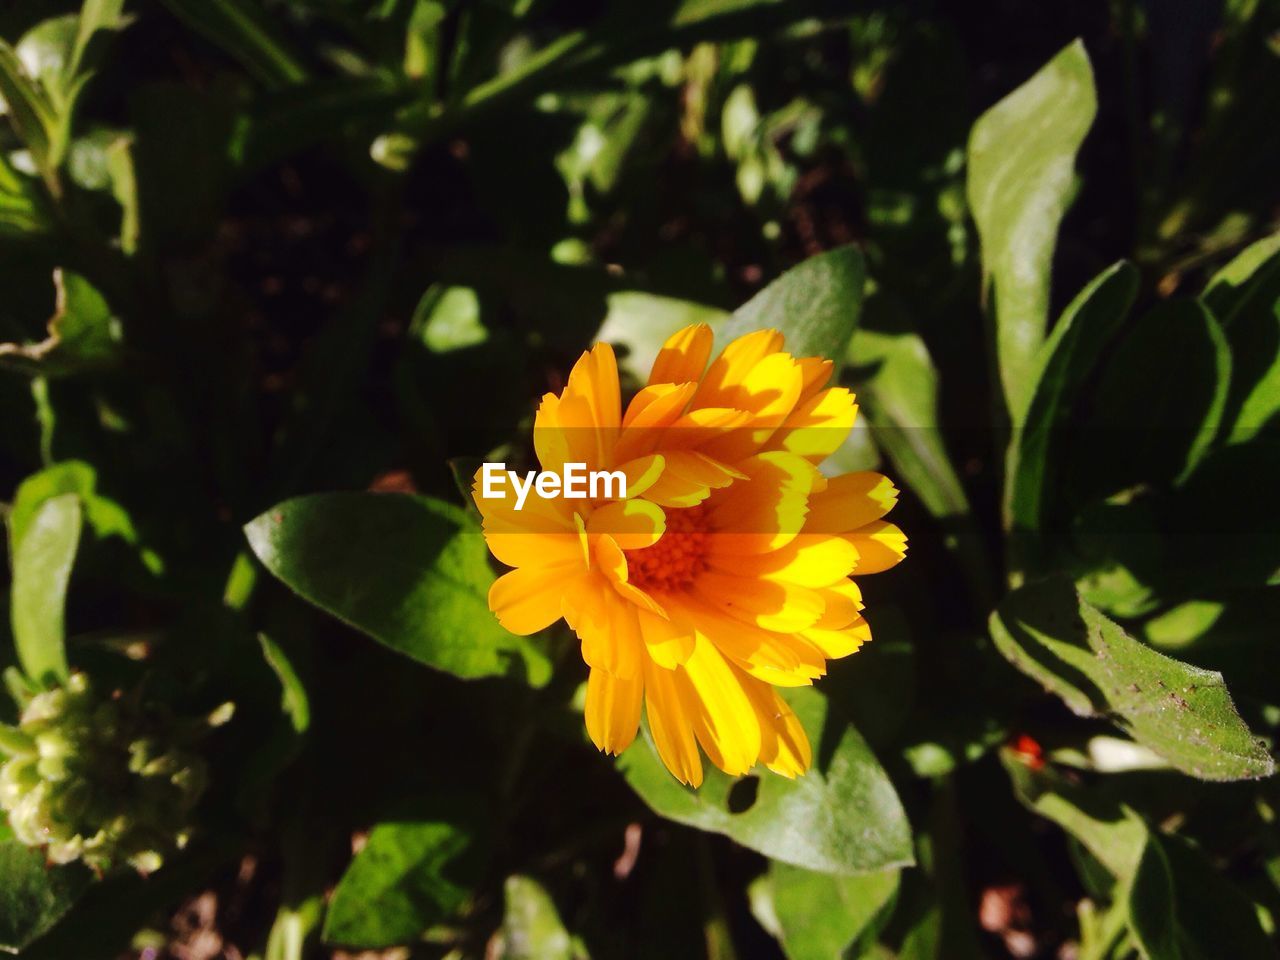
(1159, 404)
(105, 516)
(411, 572)
(1245, 298)
(897, 390)
(83, 333)
(1021, 155)
(819, 915)
(1239, 284)
(1181, 712)
(815, 305)
(531, 925)
(294, 702)
(96, 16)
(28, 108)
(1113, 835)
(412, 873)
(841, 817)
(42, 558)
(1181, 905)
(33, 895)
(896, 384)
(246, 32)
(1066, 360)
(1150, 898)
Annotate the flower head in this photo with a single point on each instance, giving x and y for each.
(101, 780)
(723, 571)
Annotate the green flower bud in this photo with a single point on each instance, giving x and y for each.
(101, 780)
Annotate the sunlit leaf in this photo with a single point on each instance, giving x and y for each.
(841, 817)
(411, 572)
(1021, 157)
(1183, 713)
(815, 305)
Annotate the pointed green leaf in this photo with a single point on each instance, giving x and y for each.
(531, 925)
(1021, 157)
(411, 572)
(820, 915)
(412, 873)
(1183, 713)
(42, 557)
(33, 895)
(1066, 360)
(815, 305)
(841, 817)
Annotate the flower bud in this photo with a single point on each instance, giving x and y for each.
(106, 781)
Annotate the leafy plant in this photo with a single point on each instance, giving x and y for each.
(279, 274)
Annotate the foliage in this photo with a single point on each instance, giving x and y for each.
(278, 273)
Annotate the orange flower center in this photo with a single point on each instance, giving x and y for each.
(678, 556)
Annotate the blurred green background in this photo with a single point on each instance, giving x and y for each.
(317, 248)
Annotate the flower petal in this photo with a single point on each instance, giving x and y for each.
(724, 720)
(881, 545)
(670, 725)
(683, 358)
(613, 710)
(850, 501)
(528, 599)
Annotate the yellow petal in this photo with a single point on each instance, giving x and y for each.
(613, 710)
(781, 607)
(818, 426)
(835, 644)
(671, 727)
(607, 627)
(633, 524)
(784, 748)
(807, 561)
(527, 599)
(880, 545)
(669, 643)
(850, 501)
(724, 719)
(735, 362)
(815, 372)
(642, 473)
(842, 603)
(683, 358)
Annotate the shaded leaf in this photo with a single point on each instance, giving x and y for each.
(815, 304)
(411, 572)
(246, 32)
(1245, 298)
(1159, 403)
(1021, 157)
(84, 334)
(1180, 905)
(412, 873)
(841, 817)
(33, 896)
(531, 926)
(1181, 712)
(1066, 360)
(42, 558)
(819, 915)
(294, 702)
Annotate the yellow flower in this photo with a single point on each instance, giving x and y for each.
(723, 572)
